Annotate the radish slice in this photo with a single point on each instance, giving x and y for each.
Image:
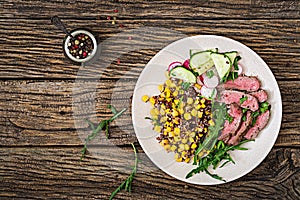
(173, 65)
(208, 92)
(240, 70)
(210, 82)
(186, 64)
(200, 80)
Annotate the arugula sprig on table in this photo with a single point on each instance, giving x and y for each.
(127, 183)
(103, 125)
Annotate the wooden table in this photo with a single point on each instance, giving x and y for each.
(40, 133)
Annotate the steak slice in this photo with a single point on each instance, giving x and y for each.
(234, 140)
(232, 96)
(260, 123)
(261, 95)
(247, 83)
(230, 128)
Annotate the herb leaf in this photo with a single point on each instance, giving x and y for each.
(210, 74)
(103, 125)
(128, 182)
(218, 154)
(185, 85)
(235, 62)
(243, 99)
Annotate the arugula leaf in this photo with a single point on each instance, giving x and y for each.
(264, 107)
(235, 62)
(128, 182)
(210, 74)
(218, 154)
(229, 118)
(243, 99)
(103, 125)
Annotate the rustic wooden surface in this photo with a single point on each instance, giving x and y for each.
(40, 133)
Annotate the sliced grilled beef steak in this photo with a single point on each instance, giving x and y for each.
(232, 96)
(235, 139)
(247, 83)
(260, 123)
(261, 95)
(230, 128)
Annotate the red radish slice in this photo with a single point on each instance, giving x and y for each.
(186, 64)
(173, 65)
(200, 80)
(208, 92)
(210, 82)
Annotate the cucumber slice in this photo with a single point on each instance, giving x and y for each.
(201, 62)
(222, 63)
(193, 51)
(231, 55)
(183, 74)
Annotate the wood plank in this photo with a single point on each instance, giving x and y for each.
(57, 173)
(42, 112)
(152, 10)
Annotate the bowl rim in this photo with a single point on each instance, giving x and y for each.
(74, 33)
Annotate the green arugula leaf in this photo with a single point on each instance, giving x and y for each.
(235, 62)
(185, 85)
(243, 99)
(128, 182)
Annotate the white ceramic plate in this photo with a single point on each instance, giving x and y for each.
(154, 74)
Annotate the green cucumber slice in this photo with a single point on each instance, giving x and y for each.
(201, 62)
(193, 51)
(222, 63)
(183, 74)
(231, 55)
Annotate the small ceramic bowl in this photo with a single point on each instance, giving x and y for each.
(81, 47)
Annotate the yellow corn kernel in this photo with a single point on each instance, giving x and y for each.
(168, 129)
(186, 147)
(190, 100)
(163, 106)
(211, 122)
(168, 82)
(177, 155)
(176, 101)
(202, 101)
(205, 130)
(169, 99)
(167, 147)
(173, 148)
(181, 111)
(175, 113)
(152, 100)
(207, 112)
(168, 111)
(187, 160)
(157, 129)
(183, 154)
(145, 98)
(197, 86)
(200, 135)
(202, 106)
(194, 112)
(179, 160)
(198, 106)
(175, 93)
(176, 120)
(161, 87)
(191, 140)
(176, 139)
(194, 146)
(192, 134)
(176, 131)
(200, 114)
(181, 147)
(153, 112)
(162, 112)
(167, 93)
(187, 116)
(171, 134)
(164, 142)
(184, 140)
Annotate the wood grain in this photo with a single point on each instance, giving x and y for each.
(53, 112)
(57, 173)
(277, 43)
(152, 10)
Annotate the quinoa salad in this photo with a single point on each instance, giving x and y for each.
(206, 108)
